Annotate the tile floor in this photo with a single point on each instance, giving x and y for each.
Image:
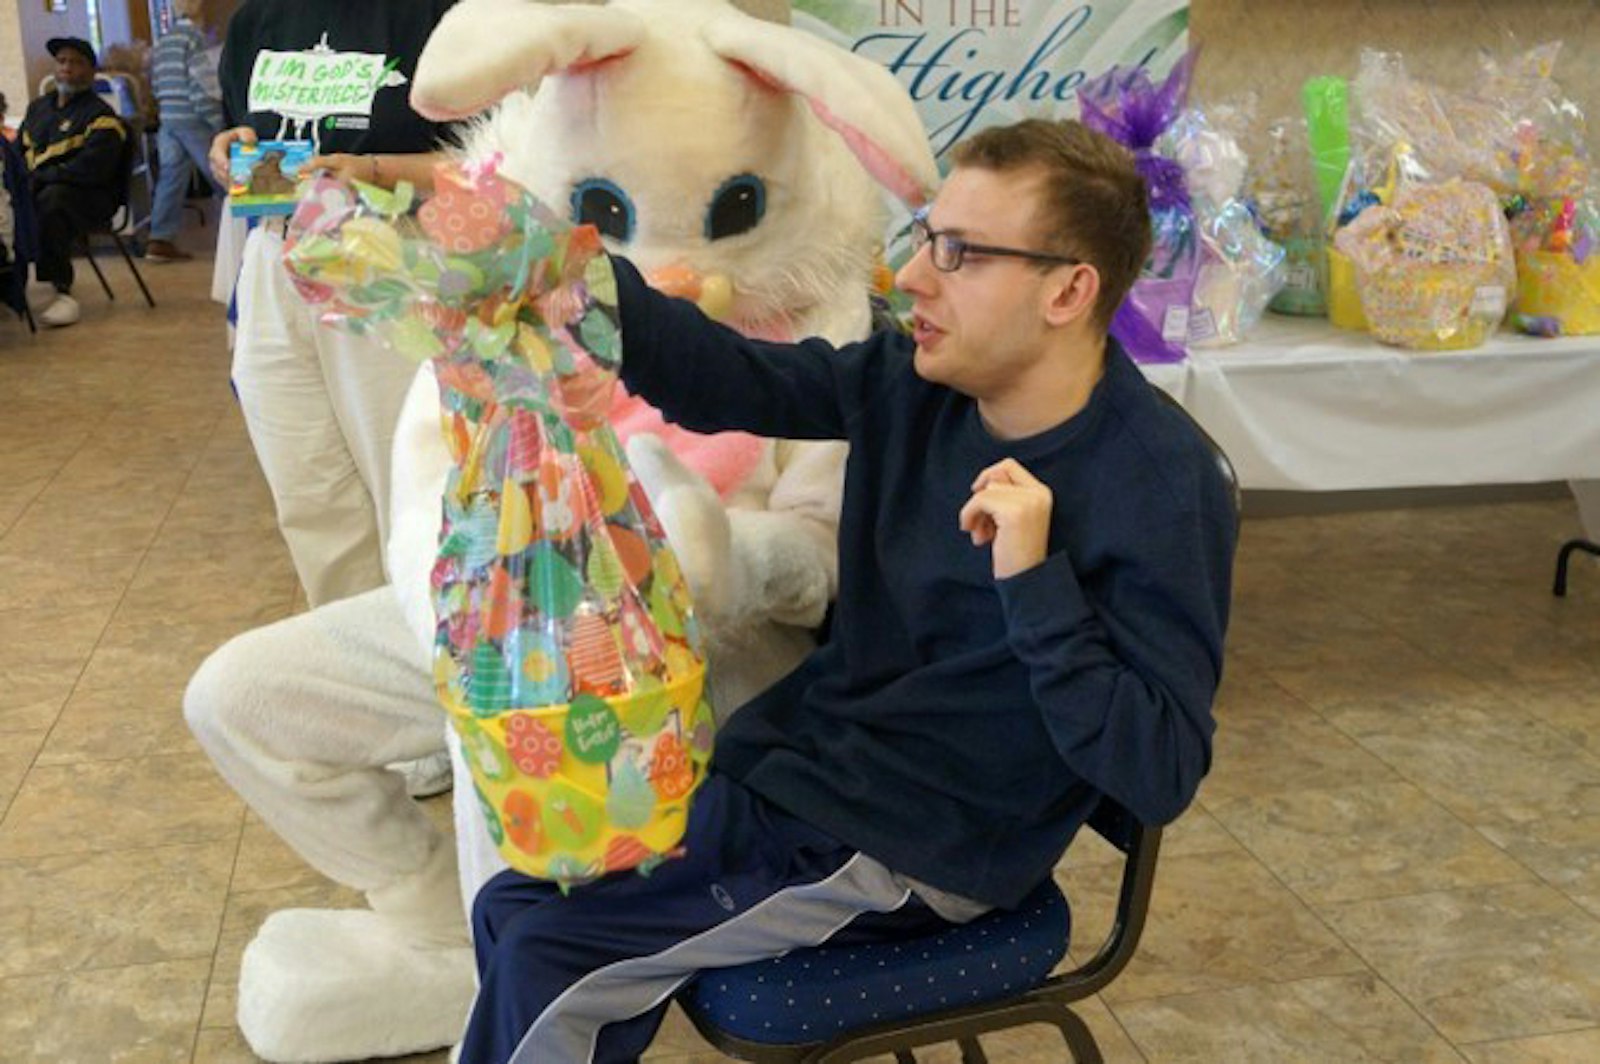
(1396, 858)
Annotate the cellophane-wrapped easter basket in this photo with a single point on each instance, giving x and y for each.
(566, 652)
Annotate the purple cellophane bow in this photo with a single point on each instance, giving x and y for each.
(1125, 105)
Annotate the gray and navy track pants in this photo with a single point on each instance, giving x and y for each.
(587, 977)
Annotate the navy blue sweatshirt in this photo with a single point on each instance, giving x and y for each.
(958, 728)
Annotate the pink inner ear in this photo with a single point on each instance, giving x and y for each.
(760, 77)
(883, 167)
(879, 163)
(586, 65)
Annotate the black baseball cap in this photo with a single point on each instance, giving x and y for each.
(77, 44)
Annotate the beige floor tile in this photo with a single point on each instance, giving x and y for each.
(1480, 758)
(111, 462)
(140, 1014)
(1371, 841)
(679, 1043)
(104, 910)
(266, 863)
(50, 639)
(16, 496)
(1490, 963)
(1389, 668)
(115, 725)
(155, 650)
(1578, 1047)
(1343, 1020)
(209, 506)
(677, 1037)
(110, 806)
(31, 699)
(43, 651)
(1572, 710)
(1563, 851)
(225, 1045)
(65, 581)
(17, 752)
(1216, 921)
(84, 521)
(183, 571)
(1268, 742)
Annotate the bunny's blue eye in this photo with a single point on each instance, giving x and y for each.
(737, 207)
(598, 202)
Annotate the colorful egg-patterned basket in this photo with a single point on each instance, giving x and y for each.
(566, 651)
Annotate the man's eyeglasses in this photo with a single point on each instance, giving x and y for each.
(949, 251)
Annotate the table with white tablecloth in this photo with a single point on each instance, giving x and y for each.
(1302, 406)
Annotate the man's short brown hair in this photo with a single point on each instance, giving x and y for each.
(1093, 204)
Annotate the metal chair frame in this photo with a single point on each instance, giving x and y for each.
(1588, 546)
(124, 221)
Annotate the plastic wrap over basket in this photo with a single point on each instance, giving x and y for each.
(566, 651)
(1435, 270)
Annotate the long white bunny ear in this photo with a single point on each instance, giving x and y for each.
(855, 97)
(483, 50)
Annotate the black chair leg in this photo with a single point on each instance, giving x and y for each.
(122, 246)
(88, 253)
(1587, 546)
(1080, 1042)
(972, 1052)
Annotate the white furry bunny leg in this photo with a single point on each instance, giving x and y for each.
(300, 717)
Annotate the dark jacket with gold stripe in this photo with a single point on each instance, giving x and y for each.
(78, 144)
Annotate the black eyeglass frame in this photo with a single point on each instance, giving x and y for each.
(923, 235)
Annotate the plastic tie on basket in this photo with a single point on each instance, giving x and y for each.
(1435, 269)
(566, 651)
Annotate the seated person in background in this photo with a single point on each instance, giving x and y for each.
(73, 143)
(1035, 557)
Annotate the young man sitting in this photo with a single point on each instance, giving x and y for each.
(1035, 559)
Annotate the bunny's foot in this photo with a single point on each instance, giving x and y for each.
(328, 985)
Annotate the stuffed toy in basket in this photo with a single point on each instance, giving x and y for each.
(566, 651)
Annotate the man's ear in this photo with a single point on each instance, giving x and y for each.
(1071, 294)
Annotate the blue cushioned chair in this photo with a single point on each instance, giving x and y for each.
(834, 1004)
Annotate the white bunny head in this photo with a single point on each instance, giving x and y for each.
(732, 159)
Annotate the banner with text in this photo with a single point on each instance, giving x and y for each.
(975, 63)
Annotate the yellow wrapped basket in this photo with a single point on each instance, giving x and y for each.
(1557, 294)
(1435, 270)
(1344, 299)
(598, 785)
(566, 651)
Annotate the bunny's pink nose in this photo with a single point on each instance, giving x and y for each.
(712, 292)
